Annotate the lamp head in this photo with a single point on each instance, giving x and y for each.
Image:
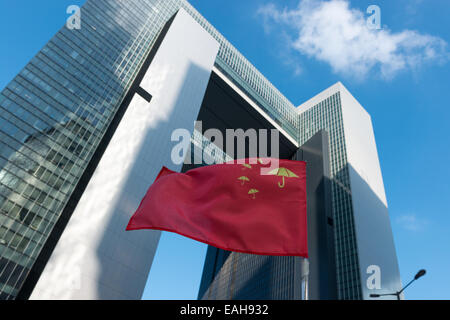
(420, 274)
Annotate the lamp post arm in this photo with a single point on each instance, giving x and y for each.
(406, 286)
(387, 294)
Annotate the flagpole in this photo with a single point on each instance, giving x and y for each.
(305, 278)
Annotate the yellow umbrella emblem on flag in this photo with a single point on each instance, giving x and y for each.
(253, 192)
(283, 172)
(243, 179)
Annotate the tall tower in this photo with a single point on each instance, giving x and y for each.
(54, 114)
(363, 234)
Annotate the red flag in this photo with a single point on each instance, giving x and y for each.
(231, 206)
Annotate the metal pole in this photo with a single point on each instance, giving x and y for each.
(305, 276)
(306, 294)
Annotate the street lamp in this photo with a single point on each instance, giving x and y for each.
(397, 294)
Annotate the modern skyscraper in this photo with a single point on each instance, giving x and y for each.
(86, 125)
(363, 231)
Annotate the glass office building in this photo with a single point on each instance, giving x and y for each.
(241, 276)
(56, 111)
(53, 115)
(327, 114)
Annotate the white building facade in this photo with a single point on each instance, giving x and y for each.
(363, 235)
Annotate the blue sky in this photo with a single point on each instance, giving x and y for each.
(400, 74)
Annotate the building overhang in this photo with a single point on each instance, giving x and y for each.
(225, 106)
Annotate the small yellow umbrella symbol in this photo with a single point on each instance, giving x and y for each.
(243, 179)
(283, 172)
(253, 192)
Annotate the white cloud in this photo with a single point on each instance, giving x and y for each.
(411, 222)
(332, 32)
